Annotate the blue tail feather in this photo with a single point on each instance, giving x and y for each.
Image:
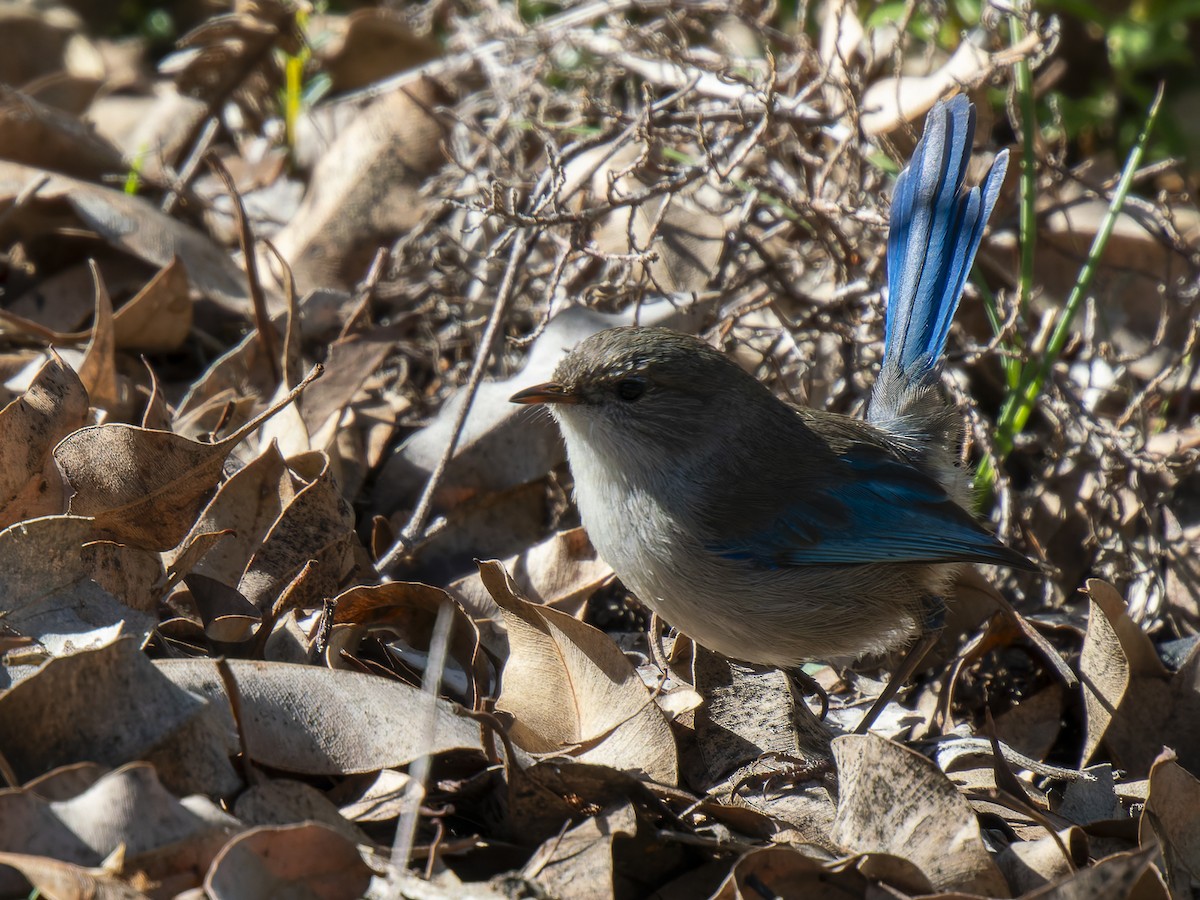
(936, 226)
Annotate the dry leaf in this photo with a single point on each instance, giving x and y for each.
(572, 691)
(145, 487)
(366, 188)
(47, 592)
(319, 721)
(159, 317)
(98, 371)
(129, 224)
(1171, 820)
(402, 614)
(54, 405)
(308, 860)
(317, 526)
(282, 801)
(892, 800)
(63, 881)
(111, 706)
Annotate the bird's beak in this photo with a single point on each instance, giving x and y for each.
(550, 392)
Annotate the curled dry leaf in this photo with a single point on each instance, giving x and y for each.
(1131, 702)
(581, 863)
(282, 801)
(244, 508)
(562, 571)
(130, 224)
(571, 690)
(1034, 863)
(146, 487)
(47, 591)
(316, 527)
(309, 860)
(892, 800)
(127, 808)
(39, 135)
(159, 317)
(382, 800)
(789, 873)
(324, 722)
(403, 615)
(54, 405)
(111, 706)
(228, 617)
(54, 878)
(1121, 876)
(1171, 819)
(98, 371)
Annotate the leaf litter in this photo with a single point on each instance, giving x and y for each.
(258, 632)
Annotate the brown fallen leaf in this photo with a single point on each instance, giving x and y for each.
(47, 592)
(54, 405)
(316, 527)
(571, 691)
(111, 705)
(402, 614)
(158, 318)
(127, 808)
(282, 801)
(1171, 821)
(98, 372)
(1112, 878)
(1126, 687)
(127, 223)
(365, 190)
(586, 862)
(39, 135)
(57, 879)
(892, 800)
(244, 508)
(1032, 864)
(146, 487)
(310, 720)
(309, 860)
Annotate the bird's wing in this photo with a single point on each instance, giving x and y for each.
(867, 507)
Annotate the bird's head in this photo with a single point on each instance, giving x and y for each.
(646, 388)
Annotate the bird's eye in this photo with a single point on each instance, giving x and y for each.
(629, 389)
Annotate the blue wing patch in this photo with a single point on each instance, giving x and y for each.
(884, 512)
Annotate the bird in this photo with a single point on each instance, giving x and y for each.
(774, 534)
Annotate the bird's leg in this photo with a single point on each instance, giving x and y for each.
(654, 640)
(934, 619)
(806, 684)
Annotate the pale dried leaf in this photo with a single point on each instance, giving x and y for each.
(47, 591)
(892, 800)
(299, 860)
(282, 801)
(572, 691)
(159, 317)
(54, 405)
(310, 720)
(1171, 819)
(111, 706)
(318, 525)
(145, 487)
(98, 371)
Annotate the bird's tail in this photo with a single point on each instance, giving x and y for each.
(936, 226)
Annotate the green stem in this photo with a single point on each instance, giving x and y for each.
(1021, 401)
